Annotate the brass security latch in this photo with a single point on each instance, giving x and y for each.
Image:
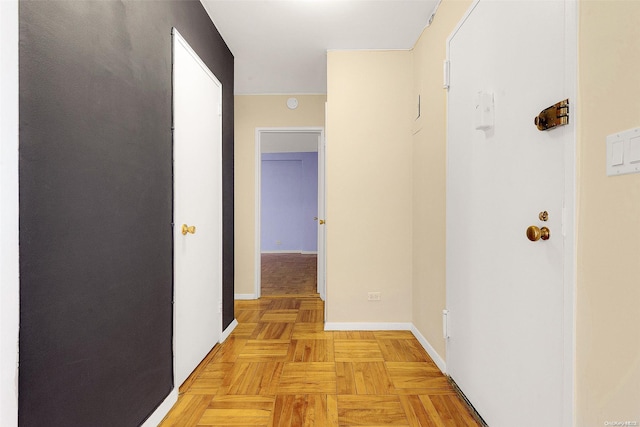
(556, 115)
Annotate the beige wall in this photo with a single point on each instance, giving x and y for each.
(429, 175)
(608, 294)
(252, 111)
(369, 115)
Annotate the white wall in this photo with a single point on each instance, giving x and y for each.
(9, 267)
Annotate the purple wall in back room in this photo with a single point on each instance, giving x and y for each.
(289, 197)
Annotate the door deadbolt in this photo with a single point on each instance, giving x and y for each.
(544, 216)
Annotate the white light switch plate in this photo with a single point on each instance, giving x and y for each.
(623, 152)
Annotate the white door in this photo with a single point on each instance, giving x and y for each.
(505, 294)
(197, 150)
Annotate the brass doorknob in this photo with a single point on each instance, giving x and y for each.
(534, 233)
(188, 229)
(321, 221)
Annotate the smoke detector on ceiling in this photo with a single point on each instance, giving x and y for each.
(292, 103)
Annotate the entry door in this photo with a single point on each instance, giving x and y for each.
(505, 292)
(197, 149)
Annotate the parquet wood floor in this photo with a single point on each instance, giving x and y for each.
(288, 274)
(280, 368)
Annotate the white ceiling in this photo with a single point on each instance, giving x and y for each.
(280, 45)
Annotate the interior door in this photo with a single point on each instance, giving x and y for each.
(505, 292)
(197, 150)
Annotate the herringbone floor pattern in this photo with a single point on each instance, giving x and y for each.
(280, 368)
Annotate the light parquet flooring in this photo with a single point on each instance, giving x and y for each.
(280, 368)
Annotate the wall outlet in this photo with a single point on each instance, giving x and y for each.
(373, 296)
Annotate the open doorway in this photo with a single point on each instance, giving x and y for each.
(290, 211)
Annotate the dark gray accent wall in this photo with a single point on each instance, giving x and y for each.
(96, 271)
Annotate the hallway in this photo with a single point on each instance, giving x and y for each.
(280, 368)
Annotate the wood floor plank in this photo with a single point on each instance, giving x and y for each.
(234, 417)
(313, 331)
(402, 350)
(264, 351)
(300, 410)
(187, 411)
(288, 316)
(311, 377)
(368, 410)
(244, 330)
(420, 377)
(354, 335)
(459, 407)
(312, 351)
(251, 378)
(363, 378)
(249, 316)
(230, 350)
(393, 335)
(416, 413)
(310, 316)
(272, 331)
(357, 350)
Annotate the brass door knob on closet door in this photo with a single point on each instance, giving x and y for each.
(321, 221)
(534, 233)
(188, 229)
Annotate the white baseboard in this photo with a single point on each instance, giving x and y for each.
(439, 361)
(162, 410)
(227, 332)
(309, 252)
(367, 326)
(244, 296)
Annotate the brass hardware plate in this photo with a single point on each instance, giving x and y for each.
(534, 233)
(188, 229)
(321, 221)
(556, 115)
(544, 216)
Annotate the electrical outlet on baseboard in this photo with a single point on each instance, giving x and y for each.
(373, 296)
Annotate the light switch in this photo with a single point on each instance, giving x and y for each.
(617, 153)
(634, 150)
(623, 152)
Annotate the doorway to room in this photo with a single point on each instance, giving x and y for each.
(290, 211)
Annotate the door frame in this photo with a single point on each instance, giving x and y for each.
(319, 130)
(569, 203)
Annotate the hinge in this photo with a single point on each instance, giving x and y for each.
(445, 324)
(446, 73)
